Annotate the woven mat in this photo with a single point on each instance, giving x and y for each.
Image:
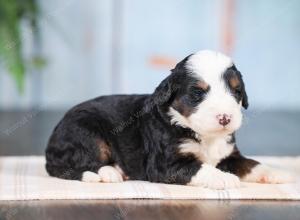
(25, 178)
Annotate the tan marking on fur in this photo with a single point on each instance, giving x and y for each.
(203, 85)
(182, 108)
(234, 81)
(104, 150)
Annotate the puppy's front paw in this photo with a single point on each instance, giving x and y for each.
(265, 174)
(213, 178)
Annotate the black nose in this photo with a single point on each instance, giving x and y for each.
(224, 119)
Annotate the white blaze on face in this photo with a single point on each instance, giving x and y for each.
(210, 66)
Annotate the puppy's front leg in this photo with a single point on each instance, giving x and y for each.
(213, 178)
(190, 171)
(249, 170)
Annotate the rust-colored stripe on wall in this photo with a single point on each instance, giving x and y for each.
(228, 26)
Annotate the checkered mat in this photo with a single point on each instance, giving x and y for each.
(25, 178)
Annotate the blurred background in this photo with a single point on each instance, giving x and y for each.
(55, 54)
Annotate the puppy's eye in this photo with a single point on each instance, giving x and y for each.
(198, 92)
(196, 95)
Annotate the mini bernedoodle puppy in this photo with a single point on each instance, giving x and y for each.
(183, 133)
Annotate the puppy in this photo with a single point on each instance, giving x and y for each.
(183, 133)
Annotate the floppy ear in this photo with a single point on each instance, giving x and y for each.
(245, 103)
(166, 91)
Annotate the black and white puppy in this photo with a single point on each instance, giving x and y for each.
(183, 133)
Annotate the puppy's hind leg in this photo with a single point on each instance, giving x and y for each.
(90, 177)
(109, 174)
(106, 174)
(72, 174)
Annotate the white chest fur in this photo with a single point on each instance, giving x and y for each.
(211, 150)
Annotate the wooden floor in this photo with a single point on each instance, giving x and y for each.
(150, 209)
(26, 133)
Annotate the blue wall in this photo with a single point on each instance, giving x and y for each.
(77, 41)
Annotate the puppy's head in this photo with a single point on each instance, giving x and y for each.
(205, 93)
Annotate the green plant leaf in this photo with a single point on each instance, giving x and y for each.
(12, 13)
